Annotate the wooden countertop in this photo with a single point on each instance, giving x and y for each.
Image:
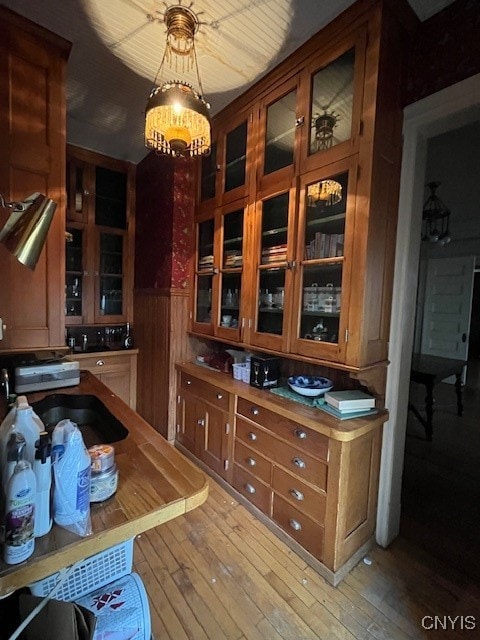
(316, 419)
(156, 484)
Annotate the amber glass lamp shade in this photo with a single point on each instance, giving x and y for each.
(177, 121)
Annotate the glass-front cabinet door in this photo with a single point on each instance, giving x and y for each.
(319, 325)
(231, 234)
(205, 269)
(274, 242)
(74, 276)
(109, 291)
(331, 124)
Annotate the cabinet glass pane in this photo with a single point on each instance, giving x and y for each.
(74, 273)
(332, 103)
(110, 198)
(205, 245)
(233, 240)
(236, 150)
(325, 217)
(321, 302)
(111, 274)
(208, 172)
(203, 309)
(274, 229)
(280, 133)
(270, 301)
(231, 292)
(75, 188)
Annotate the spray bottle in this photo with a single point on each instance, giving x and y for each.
(42, 468)
(20, 514)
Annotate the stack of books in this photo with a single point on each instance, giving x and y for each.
(349, 404)
(278, 253)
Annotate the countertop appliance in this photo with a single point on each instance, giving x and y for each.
(36, 377)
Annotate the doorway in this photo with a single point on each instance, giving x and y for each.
(440, 112)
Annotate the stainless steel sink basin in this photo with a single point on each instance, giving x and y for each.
(97, 424)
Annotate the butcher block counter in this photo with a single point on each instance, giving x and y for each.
(156, 484)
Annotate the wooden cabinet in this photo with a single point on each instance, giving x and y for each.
(116, 369)
(314, 478)
(99, 257)
(310, 155)
(32, 141)
(203, 422)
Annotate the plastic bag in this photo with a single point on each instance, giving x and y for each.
(71, 475)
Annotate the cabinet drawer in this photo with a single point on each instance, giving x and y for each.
(253, 489)
(306, 499)
(304, 530)
(100, 360)
(206, 391)
(251, 460)
(314, 443)
(294, 460)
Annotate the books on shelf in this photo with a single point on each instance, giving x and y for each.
(349, 400)
(346, 415)
(325, 245)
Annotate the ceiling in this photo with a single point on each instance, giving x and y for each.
(118, 46)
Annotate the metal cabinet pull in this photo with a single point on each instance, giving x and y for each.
(255, 411)
(300, 433)
(252, 436)
(249, 488)
(189, 382)
(251, 462)
(201, 422)
(298, 495)
(100, 363)
(295, 524)
(219, 396)
(298, 462)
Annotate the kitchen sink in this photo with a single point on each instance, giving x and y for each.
(97, 424)
(93, 348)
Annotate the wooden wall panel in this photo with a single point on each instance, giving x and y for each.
(161, 317)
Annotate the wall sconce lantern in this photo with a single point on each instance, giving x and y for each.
(324, 124)
(435, 218)
(177, 120)
(25, 231)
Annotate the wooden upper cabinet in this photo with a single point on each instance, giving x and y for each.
(314, 150)
(32, 140)
(99, 258)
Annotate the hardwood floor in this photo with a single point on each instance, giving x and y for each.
(218, 573)
(441, 482)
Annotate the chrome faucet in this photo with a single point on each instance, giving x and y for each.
(84, 341)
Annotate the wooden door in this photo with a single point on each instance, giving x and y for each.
(211, 436)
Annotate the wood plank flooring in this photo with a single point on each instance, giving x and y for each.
(218, 573)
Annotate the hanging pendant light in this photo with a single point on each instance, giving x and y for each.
(435, 218)
(177, 120)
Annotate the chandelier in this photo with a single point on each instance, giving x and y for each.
(324, 192)
(177, 120)
(435, 218)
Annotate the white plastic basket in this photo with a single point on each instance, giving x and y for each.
(237, 370)
(92, 573)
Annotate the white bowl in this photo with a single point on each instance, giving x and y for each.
(310, 386)
(310, 392)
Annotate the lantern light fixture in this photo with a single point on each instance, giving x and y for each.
(177, 120)
(435, 218)
(324, 192)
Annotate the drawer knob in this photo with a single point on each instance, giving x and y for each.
(255, 411)
(295, 524)
(189, 382)
(249, 488)
(298, 495)
(219, 396)
(300, 433)
(298, 462)
(100, 363)
(252, 436)
(201, 422)
(251, 462)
